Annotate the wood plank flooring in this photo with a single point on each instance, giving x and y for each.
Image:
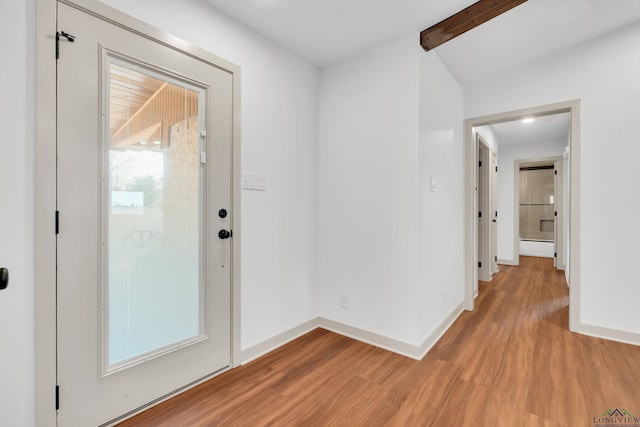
(511, 362)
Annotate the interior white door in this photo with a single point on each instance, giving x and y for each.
(482, 214)
(484, 250)
(144, 168)
(494, 213)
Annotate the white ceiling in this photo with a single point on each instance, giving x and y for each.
(325, 31)
(543, 129)
(532, 31)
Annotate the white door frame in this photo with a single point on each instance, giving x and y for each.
(45, 187)
(484, 206)
(493, 211)
(471, 208)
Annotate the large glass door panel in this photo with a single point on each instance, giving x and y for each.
(153, 210)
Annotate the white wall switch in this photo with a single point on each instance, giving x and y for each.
(344, 301)
(254, 181)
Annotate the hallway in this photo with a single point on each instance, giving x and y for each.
(511, 362)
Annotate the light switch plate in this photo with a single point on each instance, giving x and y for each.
(254, 181)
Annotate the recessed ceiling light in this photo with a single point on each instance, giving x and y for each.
(156, 142)
(528, 120)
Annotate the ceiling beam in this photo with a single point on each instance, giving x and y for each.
(465, 20)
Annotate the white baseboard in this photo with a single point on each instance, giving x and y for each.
(536, 254)
(391, 344)
(387, 343)
(433, 338)
(609, 334)
(278, 340)
(507, 262)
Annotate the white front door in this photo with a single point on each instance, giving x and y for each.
(144, 254)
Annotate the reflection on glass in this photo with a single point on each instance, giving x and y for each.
(153, 263)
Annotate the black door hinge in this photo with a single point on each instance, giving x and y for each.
(555, 213)
(496, 214)
(479, 214)
(496, 169)
(480, 164)
(555, 254)
(555, 172)
(67, 36)
(479, 265)
(57, 397)
(495, 258)
(57, 222)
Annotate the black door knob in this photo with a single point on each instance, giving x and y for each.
(224, 234)
(4, 278)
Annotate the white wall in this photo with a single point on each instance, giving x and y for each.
(487, 133)
(441, 276)
(603, 73)
(390, 118)
(279, 114)
(368, 191)
(506, 188)
(16, 213)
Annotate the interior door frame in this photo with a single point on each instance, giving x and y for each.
(493, 212)
(45, 187)
(483, 197)
(470, 202)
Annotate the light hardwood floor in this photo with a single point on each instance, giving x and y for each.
(511, 362)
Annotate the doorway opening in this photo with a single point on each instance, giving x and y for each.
(570, 185)
(539, 209)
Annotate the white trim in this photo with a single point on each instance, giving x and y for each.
(45, 186)
(437, 333)
(470, 222)
(278, 340)
(625, 337)
(507, 262)
(396, 346)
(574, 218)
(484, 190)
(391, 344)
(537, 254)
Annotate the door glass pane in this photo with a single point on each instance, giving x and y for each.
(153, 272)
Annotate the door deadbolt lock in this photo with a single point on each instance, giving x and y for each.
(224, 234)
(4, 278)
